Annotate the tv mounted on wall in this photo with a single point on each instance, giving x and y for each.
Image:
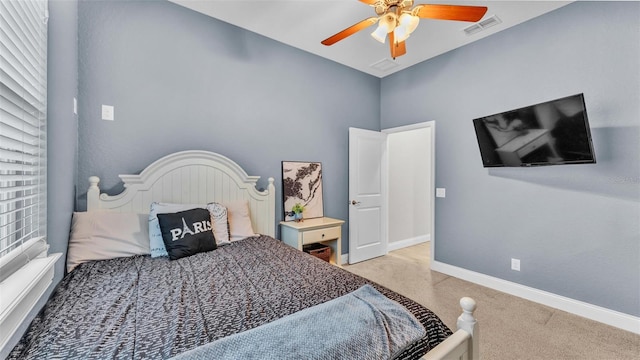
(550, 133)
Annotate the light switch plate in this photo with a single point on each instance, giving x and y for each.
(107, 112)
(515, 264)
(441, 192)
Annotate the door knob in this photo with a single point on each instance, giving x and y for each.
(353, 202)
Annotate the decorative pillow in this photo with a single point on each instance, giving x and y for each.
(187, 233)
(220, 223)
(155, 235)
(101, 235)
(239, 220)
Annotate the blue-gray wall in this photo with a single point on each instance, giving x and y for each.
(575, 228)
(62, 138)
(62, 125)
(180, 80)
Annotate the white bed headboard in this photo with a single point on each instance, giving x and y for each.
(189, 177)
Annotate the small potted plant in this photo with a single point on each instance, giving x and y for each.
(297, 210)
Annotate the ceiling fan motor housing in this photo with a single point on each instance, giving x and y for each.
(383, 6)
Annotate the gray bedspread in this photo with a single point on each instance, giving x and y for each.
(361, 325)
(153, 308)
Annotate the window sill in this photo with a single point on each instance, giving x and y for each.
(20, 292)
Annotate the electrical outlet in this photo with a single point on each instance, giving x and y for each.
(515, 264)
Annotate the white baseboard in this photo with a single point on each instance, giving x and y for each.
(408, 242)
(597, 313)
(395, 245)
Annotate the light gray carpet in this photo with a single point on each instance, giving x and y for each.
(510, 327)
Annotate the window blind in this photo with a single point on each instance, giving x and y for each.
(23, 143)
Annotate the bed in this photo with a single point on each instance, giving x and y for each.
(137, 306)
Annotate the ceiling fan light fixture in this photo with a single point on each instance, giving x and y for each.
(400, 33)
(410, 21)
(380, 33)
(386, 24)
(407, 24)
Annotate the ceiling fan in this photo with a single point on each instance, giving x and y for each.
(398, 19)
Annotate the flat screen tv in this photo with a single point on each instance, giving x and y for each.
(550, 133)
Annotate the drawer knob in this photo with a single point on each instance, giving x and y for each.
(323, 235)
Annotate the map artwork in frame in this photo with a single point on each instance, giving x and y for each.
(302, 184)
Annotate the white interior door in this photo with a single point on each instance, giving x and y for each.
(367, 194)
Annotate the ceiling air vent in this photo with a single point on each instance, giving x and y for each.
(481, 25)
(384, 65)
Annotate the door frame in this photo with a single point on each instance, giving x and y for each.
(432, 125)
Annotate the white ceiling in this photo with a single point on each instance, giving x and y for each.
(304, 23)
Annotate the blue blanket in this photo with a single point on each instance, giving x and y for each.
(363, 324)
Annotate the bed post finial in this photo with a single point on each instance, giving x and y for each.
(93, 194)
(468, 323)
(271, 211)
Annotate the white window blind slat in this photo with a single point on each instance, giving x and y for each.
(7, 202)
(15, 145)
(11, 77)
(6, 215)
(36, 11)
(22, 168)
(25, 133)
(11, 191)
(5, 179)
(20, 63)
(25, 233)
(23, 102)
(28, 154)
(17, 101)
(12, 156)
(11, 118)
(22, 34)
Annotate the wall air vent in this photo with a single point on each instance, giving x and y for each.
(482, 25)
(384, 65)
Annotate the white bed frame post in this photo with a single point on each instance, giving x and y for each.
(468, 323)
(93, 194)
(464, 344)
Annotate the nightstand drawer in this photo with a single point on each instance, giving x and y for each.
(314, 236)
(323, 230)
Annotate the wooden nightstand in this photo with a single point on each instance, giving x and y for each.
(319, 230)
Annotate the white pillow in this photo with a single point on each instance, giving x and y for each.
(219, 223)
(155, 234)
(101, 235)
(239, 220)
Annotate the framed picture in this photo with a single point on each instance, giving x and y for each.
(302, 184)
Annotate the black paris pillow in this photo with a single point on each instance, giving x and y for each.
(186, 233)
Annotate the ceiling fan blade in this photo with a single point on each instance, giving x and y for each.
(350, 31)
(397, 49)
(450, 12)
